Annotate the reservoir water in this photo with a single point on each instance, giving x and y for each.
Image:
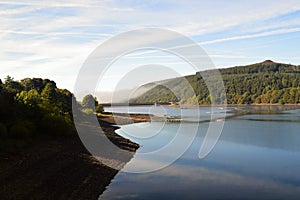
(256, 157)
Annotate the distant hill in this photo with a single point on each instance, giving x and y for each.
(265, 82)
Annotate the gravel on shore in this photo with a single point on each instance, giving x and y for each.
(61, 167)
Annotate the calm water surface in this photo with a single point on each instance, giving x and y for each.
(257, 157)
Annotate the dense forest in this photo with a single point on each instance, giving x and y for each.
(33, 108)
(262, 83)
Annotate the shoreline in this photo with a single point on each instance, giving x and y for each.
(61, 167)
(228, 105)
(208, 105)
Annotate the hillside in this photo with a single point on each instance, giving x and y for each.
(265, 82)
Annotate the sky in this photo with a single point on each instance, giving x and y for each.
(52, 39)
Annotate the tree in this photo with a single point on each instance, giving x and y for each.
(89, 102)
(32, 107)
(8, 80)
(99, 108)
(1, 86)
(48, 93)
(12, 86)
(266, 82)
(31, 98)
(64, 100)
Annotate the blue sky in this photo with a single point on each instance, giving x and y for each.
(52, 39)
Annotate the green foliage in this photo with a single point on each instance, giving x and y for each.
(35, 83)
(22, 130)
(265, 82)
(12, 86)
(90, 103)
(88, 111)
(64, 100)
(49, 94)
(56, 124)
(33, 107)
(99, 108)
(31, 98)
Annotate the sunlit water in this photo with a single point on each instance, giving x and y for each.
(257, 157)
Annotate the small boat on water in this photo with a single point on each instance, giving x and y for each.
(220, 120)
(165, 118)
(172, 119)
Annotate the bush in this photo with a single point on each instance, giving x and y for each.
(88, 111)
(99, 108)
(22, 130)
(57, 125)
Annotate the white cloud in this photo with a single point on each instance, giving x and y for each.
(57, 36)
(64, 4)
(263, 34)
(18, 11)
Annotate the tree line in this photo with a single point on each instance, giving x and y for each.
(261, 83)
(35, 107)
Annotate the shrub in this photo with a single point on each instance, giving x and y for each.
(57, 125)
(88, 111)
(22, 130)
(99, 108)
